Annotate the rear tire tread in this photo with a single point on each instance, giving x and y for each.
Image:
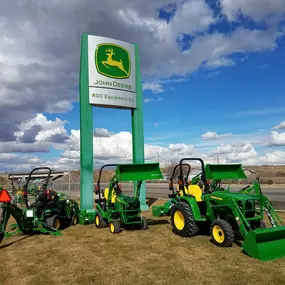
(228, 232)
(51, 220)
(102, 222)
(190, 229)
(144, 224)
(117, 226)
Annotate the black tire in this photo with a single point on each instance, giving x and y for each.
(74, 220)
(182, 220)
(144, 224)
(53, 222)
(115, 226)
(222, 233)
(2, 236)
(99, 221)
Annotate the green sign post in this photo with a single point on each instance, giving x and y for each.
(109, 77)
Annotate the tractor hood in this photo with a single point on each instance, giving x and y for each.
(127, 200)
(220, 195)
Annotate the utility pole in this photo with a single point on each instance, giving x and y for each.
(218, 159)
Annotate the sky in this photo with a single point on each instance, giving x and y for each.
(212, 76)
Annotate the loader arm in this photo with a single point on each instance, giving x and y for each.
(255, 187)
(138, 188)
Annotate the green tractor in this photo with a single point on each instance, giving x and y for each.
(117, 209)
(47, 214)
(229, 216)
(26, 219)
(51, 207)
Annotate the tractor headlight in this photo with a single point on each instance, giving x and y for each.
(30, 213)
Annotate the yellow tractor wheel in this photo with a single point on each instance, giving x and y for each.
(115, 226)
(182, 220)
(179, 220)
(222, 233)
(99, 221)
(74, 220)
(57, 223)
(54, 222)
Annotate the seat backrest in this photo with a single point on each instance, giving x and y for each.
(195, 191)
(180, 192)
(106, 193)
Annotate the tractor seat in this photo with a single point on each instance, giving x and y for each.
(179, 190)
(41, 197)
(113, 197)
(195, 191)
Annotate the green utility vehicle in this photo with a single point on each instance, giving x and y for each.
(228, 215)
(117, 209)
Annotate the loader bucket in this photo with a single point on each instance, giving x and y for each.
(139, 171)
(265, 244)
(224, 171)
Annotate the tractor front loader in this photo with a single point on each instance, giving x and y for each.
(229, 216)
(117, 209)
(26, 220)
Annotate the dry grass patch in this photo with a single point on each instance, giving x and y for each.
(86, 255)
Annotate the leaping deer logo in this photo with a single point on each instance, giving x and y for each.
(111, 62)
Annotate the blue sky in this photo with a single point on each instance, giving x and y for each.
(212, 76)
(240, 99)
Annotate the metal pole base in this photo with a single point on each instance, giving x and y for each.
(87, 216)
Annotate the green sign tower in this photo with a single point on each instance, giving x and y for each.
(109, 77)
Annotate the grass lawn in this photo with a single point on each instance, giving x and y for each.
(87, 255)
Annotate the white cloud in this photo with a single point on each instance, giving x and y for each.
(154, 87)
(39, 129)
(222, 61)
(37, 135)
(277, 139)
(280, 126)
(273, 157)
(236, 151)
(13, 162)
(117, 148)
(101, 132)
(45, 72)
(213, 74)
(256, 9)
(146, 100)
(214, 136)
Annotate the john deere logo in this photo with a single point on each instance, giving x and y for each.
(113, 61)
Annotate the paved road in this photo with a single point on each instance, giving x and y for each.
(276, 194)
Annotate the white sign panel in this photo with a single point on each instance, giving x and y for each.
(112, 73)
